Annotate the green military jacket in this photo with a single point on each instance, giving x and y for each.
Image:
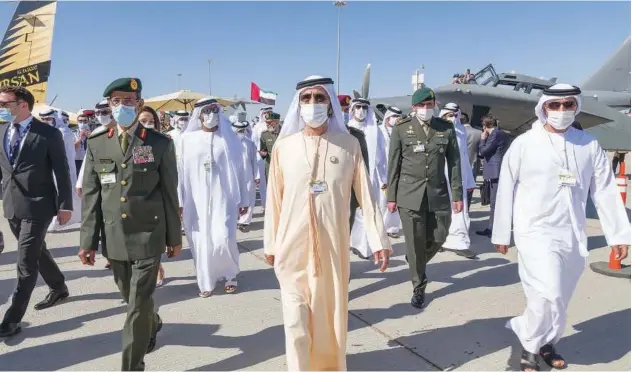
(133, 196)
(267, 142)
(416, 165)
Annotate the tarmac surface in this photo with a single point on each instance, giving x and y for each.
(461, 327)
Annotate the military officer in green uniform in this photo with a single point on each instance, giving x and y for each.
(130, 189)
(269, 137)
(420, 147)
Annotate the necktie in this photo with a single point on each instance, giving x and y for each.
(14, 147)
(124, 142)
(425, 127)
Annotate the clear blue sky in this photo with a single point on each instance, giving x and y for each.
(277, 44)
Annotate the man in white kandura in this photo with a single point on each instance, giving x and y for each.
(363, 118)
(458, 239)
(212, 195)
(315, 164)
(54, 118)
(259, 128)
(251, 171)
(392, 222)
(545, 179)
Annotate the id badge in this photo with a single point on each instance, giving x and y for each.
(419, 148)
(107, 178)
(567, 178)
(317, 187)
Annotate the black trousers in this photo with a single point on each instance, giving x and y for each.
(492, 204)
(33, 258)
(470, 194)
(78, 166)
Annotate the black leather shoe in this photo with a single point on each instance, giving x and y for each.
(52, 299)
(486, 232)
(9, 329)
(418, 298)
(152, 341)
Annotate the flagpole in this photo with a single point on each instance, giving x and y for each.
(338, 4)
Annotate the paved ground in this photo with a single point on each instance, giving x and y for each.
(461, 328)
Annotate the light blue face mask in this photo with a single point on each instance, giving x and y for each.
(124, 115)
(346, 116)
(5, 115)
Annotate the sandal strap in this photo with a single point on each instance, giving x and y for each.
(529, 357)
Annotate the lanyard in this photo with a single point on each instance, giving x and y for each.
(564, 158)
(316, 157)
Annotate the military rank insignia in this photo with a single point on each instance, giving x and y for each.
(110, 133)
(143, 154)
(133, 84)
(143, 134)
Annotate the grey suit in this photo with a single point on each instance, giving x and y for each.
(473, 140)
(30, 201)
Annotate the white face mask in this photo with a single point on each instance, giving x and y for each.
(451, 120)
(314, 115)
(360, 115)
(104, 119)
(149, 125)
(392, 121)
(560, 120)
(424, 114)
(211, 120)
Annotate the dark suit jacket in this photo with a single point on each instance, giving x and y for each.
(28, 188)
(492, 149)
(359, 135)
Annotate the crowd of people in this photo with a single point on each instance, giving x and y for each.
(466, 78)
(139, 190)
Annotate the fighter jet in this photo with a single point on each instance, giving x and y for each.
(511, 98)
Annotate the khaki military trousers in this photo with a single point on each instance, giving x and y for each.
(137, 281)
(424, 232)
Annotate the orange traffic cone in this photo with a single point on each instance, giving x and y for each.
(614, 264)
(613, 267)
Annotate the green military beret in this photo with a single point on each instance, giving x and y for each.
(421, 95)
(124, 85)
(275, 116)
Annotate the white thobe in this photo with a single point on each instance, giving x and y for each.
(210, 203)
(377, 177)
(392, 222)
(549, 219)
(251, 173)
(79, 182)
(259, 128)
(69, 146)
(459, 233)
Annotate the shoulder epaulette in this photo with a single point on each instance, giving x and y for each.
(98, 132)
(403, 120)
(443, 122)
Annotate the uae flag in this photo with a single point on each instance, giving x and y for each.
(262, 96)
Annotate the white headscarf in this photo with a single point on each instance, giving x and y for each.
(452, 107)
(372, 133)
(390, 113)
(293, 122)
(539, 108)
(232, 144)
(173, 120)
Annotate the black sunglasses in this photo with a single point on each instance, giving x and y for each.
(555, 105)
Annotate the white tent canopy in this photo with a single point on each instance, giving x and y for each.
(181, 100)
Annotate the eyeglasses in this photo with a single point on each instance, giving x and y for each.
(555, 105)
(5, 104)
(125, 101)
(102, 112)
(210, 109)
